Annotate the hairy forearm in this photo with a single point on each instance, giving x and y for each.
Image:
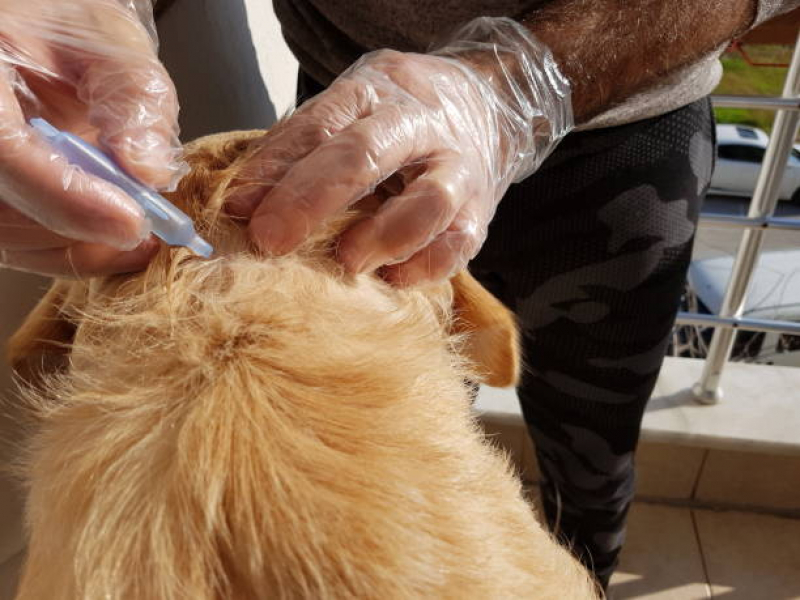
(611, 49)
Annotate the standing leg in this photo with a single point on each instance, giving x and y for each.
(591, 252)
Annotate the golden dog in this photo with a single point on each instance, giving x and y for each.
(242, 428)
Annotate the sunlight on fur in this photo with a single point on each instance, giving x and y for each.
(249, 428)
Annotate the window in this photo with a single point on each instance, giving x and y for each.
(746, 133)
(751, 154)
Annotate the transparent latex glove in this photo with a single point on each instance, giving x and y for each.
(89, 67)
(456, 127)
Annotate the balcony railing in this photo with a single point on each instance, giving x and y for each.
(758, 220)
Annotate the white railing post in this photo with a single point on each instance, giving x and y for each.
(762, 206)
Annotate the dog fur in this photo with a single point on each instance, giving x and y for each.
(248, 428)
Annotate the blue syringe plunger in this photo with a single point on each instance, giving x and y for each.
(166, 220)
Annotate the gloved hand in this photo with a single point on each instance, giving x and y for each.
(457, 126)
(90, 67)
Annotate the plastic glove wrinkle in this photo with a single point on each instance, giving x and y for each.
(91, 67)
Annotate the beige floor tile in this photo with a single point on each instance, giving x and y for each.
(751, 478)
(749, 556)
(667, 470)
(9, 575)
(661, 559)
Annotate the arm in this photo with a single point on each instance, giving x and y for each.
(611, 49)
(460, 124)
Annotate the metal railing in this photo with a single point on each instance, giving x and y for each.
(759, 219)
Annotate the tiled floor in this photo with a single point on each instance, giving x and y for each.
(682, 554)
(662, 558)
(676, 553)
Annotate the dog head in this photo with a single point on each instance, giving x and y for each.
(484, 328)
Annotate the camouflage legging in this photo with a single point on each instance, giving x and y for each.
(591, 253)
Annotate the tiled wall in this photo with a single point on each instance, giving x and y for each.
(750, 480)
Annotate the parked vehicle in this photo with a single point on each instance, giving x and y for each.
(740, 152)
(774, 294)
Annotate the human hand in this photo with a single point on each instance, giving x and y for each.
(90, 67)
(455, 127)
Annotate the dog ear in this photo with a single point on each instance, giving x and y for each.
(41, 344)
(490, 330)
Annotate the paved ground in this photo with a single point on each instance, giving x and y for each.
(719, 241)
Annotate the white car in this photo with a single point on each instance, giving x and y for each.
(740, 151)
(774, 294)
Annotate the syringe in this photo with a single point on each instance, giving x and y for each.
(166, 220)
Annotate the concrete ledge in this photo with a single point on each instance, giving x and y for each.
(760, 410)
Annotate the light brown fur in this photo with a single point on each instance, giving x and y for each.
(251, 428)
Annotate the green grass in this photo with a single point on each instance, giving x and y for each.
(741, 79)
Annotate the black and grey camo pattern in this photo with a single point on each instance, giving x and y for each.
(591, 253)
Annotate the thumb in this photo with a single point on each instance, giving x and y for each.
(133, 103)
